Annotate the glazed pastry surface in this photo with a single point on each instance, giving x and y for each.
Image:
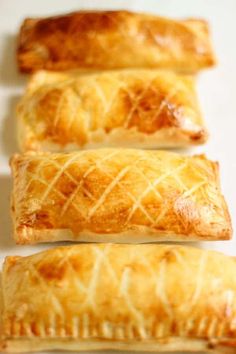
(136, 297)
(113, 40)
(119, 195)
(131, 108)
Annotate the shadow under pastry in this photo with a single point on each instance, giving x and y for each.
(9, 74)
(6, 238)
(8, 134)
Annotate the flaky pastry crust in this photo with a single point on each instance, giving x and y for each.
(119, 195)
(126, 297)
(113, 39)
(129, 108)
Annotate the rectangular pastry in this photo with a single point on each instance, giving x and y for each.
(132, 108)
(113, 40)
(117, 195)
(123, 297)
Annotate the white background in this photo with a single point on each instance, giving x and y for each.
(216, 88)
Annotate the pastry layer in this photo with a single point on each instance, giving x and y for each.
(113, 39)
(129, 108)
(119, 195)
(136, 297)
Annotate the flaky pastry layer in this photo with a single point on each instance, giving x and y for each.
(120, 195)
(113, 39)
(126, 297)
(129, 108)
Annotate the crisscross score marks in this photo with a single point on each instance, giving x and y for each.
(74, 109)
(138, 187)
(136, 101)
(36, 177)
(63, 169)
(100, 98)
(66, 275)
(80, 184)
(146, 101)
(114, 182)
(94, 290)
(173, 255)
(59, 114)
(152, 187)
(160, 104)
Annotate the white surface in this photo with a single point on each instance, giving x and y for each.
(216, 90)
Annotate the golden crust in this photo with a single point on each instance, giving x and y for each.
(137, 297)
(113, 39)
(129, 108)
(120, 195)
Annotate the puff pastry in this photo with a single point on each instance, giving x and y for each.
(113, 39)
(136, 297)
(135, 108)
(117, 195)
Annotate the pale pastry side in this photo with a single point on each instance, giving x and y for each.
(130, 108)
(117, 195)
(126, 297)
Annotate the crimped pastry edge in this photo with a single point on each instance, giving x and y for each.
(175, 344)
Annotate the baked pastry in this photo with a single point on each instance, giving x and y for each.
(134, 108)
(113, 39)
(135, 297)
(118, 195)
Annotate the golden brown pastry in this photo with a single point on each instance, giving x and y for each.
(134, 297)
(113, 39)
(132, 108)
(118, 195)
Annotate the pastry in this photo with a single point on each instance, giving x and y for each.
(113, 40)
(132, 108)
(117, 195)
(125, 297)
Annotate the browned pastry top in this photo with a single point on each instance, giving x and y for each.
(113, 39)
(126, 193)
(119, 296)
(134, 108)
